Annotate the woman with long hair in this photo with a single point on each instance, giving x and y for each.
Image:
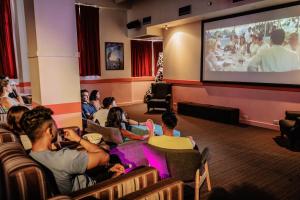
(6, 101)
(95, 99)
(14, 116)
(115, 119)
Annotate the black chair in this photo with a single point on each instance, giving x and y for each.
(290, 126)
(160, 97)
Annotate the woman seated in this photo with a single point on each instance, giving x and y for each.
(95, 99)
(115, 119)
(14, 116)
(6, 101)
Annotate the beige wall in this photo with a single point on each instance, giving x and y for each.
(113, 29)
(258, 106)
(166, 11)
(182, 52)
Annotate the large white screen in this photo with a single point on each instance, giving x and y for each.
(256, 48)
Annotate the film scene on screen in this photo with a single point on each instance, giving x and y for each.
(266, 46)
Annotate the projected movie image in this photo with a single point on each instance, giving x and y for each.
(264, 46)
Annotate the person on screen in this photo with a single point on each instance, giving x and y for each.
(276, 58)
(242, 46)
(293, 43)
(261, 44)
(211, 60)
(253, 46)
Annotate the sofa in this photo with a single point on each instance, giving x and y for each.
(23, 178)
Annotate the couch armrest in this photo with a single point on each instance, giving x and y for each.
(292, 115)
(172, 188)
(149, 96)
(120, 186)
(60, 197)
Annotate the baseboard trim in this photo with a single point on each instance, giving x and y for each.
(130, 103)
(260, 124)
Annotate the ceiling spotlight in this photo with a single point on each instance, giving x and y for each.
(166, 27)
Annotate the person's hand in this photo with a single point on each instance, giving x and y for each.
(191, 138)
(71, 135)
(118, 169)
(145, 137)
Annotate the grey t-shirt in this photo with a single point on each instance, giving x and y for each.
(68, 167)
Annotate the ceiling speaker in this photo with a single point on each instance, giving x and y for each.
(134, 24)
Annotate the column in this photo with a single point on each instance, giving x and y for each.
(53, 58)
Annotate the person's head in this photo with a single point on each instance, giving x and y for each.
(169, 121)
(211, 45)
(2, 77)
(109, 102)
(277, 36)
(39, 125)
(254, 38)
(84, 95)
(5, 87)
(115, 117)
(14, 116)
(294, 40)
(95, 95)
(242, 40)
(260, 38)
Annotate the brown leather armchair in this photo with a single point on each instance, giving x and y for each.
(160, 97)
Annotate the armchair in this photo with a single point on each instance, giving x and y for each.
(160, 97)
(290, 126)
(188, 165)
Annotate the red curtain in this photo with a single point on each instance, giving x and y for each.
(157, 48)
(88, 38)
(7, 53)
(141, 58)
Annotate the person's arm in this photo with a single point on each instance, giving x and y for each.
(133, 136)
(254, 63)
(133, 122)
(6, 103)
(20, 99)
(96, 155)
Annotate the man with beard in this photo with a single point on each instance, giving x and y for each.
(68, 166)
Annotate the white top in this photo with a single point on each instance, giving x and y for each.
(274, 59)
(262, 47)
(253, 49)
(101, 116)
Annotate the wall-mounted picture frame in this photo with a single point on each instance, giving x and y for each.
(114, 56)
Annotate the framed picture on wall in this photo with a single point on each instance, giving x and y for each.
(114, 56)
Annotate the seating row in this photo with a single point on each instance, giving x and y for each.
(23, 178)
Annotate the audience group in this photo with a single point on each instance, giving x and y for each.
(72, 168)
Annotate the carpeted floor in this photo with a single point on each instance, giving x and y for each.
(239, 155)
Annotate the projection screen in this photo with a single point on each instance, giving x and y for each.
(260, 47)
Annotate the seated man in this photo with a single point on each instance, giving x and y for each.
(87, 109)
(101, 115)
(68, 166)
(167, 140)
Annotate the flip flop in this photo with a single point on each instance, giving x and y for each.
(150, 125)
